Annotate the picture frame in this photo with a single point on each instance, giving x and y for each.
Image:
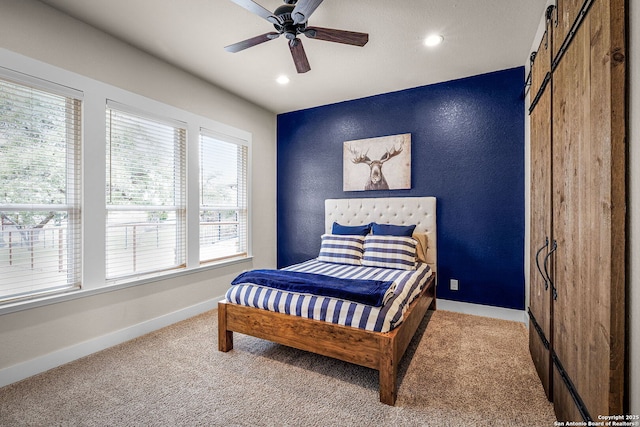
(363, 162)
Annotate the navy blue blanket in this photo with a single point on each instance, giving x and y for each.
(370, 292)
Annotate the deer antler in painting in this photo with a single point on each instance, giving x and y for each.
(359, 157)
(389, 154)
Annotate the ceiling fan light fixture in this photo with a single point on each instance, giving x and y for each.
(283, 80)
(433, 40)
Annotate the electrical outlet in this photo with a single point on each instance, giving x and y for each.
(453, 284)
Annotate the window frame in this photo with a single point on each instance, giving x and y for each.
(73, 185)
(178, 207)
(93, 201)
(242, 206)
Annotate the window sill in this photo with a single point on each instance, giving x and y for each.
(83, 293)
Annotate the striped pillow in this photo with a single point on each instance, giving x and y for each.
(390, 252)
(341, 249)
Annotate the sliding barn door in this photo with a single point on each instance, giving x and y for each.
(588, 205)
(540, 302)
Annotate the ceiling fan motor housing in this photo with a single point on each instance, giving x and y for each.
(286, 25)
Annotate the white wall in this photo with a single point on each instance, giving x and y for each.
(634, 205)
(41, 337)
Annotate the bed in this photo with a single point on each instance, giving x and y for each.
(380, 345)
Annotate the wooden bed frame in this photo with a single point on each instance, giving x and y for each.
(376, 350)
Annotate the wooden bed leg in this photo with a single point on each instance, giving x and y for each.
(225, 338)
(432, 294)
(388, 372)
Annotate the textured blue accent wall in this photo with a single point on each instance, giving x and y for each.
(467, 150)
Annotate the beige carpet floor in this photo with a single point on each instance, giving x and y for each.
(459, 370)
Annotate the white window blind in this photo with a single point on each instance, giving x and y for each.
(223, 197)
(40, 232)
(145, 192)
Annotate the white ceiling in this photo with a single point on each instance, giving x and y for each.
(480, 36)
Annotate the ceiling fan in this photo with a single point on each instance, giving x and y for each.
(291, 19)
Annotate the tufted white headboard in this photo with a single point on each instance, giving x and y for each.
(420, 211)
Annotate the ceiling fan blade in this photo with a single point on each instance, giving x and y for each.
(337, 36)
(303, 10)
(254, 7)
(299, 55)
(245, 44)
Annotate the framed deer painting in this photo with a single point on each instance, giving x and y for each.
(382, 163)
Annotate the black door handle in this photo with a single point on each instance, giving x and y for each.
(554, 246)
(546, 244)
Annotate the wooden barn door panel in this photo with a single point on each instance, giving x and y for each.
(563, 403)
(540, 295)
(567, 12)
(569, 130)
(588, 204)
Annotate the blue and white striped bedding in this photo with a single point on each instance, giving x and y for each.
(408, 284)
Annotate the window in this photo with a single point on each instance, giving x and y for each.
(40, 137)
(145, 191)
(103, 188)
(223, 197)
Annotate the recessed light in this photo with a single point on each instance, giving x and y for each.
(283, 80)
(433, 40)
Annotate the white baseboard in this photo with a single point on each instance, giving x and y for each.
(57, 358)
(483, 310)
